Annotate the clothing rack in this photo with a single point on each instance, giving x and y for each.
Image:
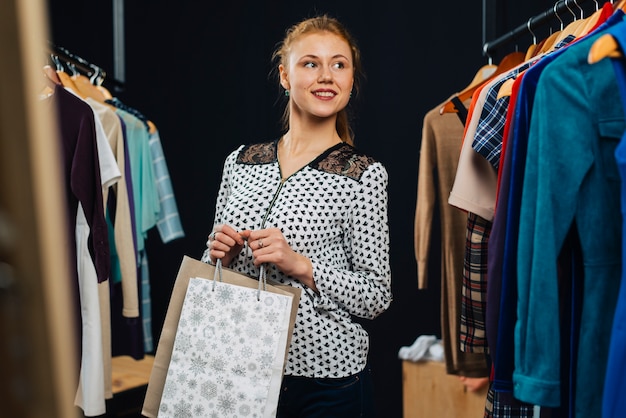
(64, 58)
(560, 7)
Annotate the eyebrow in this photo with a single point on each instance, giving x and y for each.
(315, 56)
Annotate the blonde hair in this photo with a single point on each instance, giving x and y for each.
(322, 23)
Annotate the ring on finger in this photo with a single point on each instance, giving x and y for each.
(260, 243)
(212, 236)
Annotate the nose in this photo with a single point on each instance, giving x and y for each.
(325, 75)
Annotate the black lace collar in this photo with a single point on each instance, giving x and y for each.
(342, 158)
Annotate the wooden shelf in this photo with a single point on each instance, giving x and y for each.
(129, 373)
(428, 391)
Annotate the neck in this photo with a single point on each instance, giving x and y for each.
(312, 133)
(296, 142)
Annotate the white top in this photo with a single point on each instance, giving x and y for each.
(476, 181)
(90, 395)
(333, 211)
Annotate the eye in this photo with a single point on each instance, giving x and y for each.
(309, 64)
(339, 65)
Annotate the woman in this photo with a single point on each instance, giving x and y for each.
(313, 209)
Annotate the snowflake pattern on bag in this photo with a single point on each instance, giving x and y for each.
(229, 346)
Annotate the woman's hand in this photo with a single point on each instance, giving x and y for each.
(270, 246)
(225, 243)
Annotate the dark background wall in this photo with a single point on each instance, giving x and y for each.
(200, 72)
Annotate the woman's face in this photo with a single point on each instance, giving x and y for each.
(319, 74)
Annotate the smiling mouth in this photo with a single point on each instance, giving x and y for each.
(326, 94)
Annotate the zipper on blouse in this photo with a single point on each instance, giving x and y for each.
(283, 180)
(269, 208)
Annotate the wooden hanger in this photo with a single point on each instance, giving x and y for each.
(106, 93)
(478, 79)
(590, 22)
(506, 88)
(83, 84)
(78, 83)
(51, 81)
(531, 49)
(537, 50)
(483, 74)
(603, 47)
(508, 62)
(550, 41)
(571, 28)
(67, 82)
(606, 46)
(51, 74)
(96, 80)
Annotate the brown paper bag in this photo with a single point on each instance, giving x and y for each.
(193, 268)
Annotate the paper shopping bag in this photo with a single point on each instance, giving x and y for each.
(207, 357)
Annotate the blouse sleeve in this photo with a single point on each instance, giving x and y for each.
(365, 289)
(222, 195)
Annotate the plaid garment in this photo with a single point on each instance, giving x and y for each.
(504, 405)
(146, 303)
(472, 337)
(488, 137)
(490, 130)
(168, 223)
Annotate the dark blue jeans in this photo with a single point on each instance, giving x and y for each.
(347, 397)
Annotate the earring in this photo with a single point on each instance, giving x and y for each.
(286, 93)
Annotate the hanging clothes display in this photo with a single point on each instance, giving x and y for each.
(594, 120)
(521, 138)
(121, 153)
(437, 164)
(550, 252)
(122, 235)
(127, 320)
(614, 403)
(504, 295)
(89, 169)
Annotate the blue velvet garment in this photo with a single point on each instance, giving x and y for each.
(508, 208)
(504, 235)
(614, 401)
(570, 177)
